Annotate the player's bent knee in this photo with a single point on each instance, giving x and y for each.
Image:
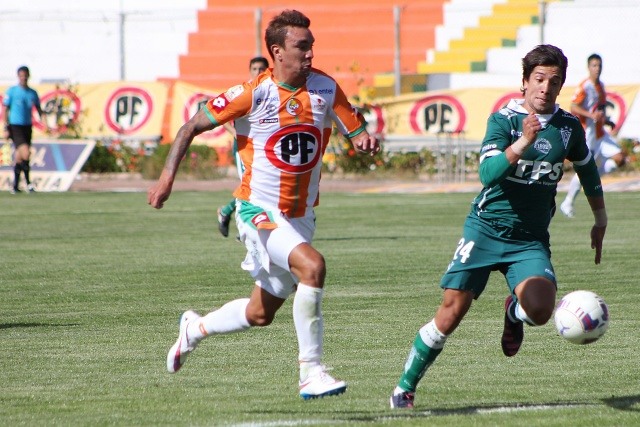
(259, 319)
(308, 265)
(539, 315)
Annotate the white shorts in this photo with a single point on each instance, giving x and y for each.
(269, 237)
(602, 148)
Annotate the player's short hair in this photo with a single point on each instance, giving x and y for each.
(264, 61)
(594, 56)
(547, 55)
(277, 30)
(23, 68)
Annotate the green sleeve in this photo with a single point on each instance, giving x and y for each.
(589, 178)
(493, 170)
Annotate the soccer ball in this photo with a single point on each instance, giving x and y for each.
(581, 317)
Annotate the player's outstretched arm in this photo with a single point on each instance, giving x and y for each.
(159, 193)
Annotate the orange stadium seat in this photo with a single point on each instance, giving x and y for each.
(355, 39)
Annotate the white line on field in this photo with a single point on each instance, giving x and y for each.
(417, 414)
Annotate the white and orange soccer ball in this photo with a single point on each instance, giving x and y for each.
(581, 317)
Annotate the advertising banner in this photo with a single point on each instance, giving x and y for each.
(54, 163)
(128, 110)
(187, 100)
(465, 111)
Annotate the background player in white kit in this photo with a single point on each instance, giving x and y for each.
(588, 104)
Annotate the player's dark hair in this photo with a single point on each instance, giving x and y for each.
(25, 69)
(594, 56)
(260, 59)
(277, 30)
(546, 55)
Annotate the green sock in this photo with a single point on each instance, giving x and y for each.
(420, 358)
(229, 208)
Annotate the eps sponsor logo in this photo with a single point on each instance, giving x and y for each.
(128, 109)
(295, 148)
(437, 114)
(193, 105)
(537, 169)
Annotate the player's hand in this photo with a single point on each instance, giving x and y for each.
(598, 117)
(530, 127)
(597, 236)
(158, 194)
(365, 143)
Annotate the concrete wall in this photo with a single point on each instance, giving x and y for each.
(79, 40)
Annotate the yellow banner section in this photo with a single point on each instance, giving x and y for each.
(465, 111)
(129, 110)
(187, 100)
(102, 110)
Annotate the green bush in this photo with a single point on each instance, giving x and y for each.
(631, 148)
(200, 162)
(101, 160)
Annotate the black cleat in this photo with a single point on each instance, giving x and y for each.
(513, 333)
(223, 223)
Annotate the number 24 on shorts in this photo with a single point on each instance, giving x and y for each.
(463, 250)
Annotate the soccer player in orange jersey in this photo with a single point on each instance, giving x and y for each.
(283, 120)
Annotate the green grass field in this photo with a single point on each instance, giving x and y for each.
(92, 286)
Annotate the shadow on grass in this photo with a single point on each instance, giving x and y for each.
(34, 325)
(338, 239)
(624, 403)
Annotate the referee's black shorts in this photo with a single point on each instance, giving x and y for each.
(20, 134)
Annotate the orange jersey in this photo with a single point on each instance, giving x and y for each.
(590, 97)
(282, 133)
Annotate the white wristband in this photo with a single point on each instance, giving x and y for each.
(600, 216)
(519, 146)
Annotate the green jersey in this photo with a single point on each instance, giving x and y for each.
(523, 197)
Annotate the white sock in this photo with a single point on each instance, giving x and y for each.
(431, 336)
(610, 165)
(229, 318)
(574, 189)
(398, 390)
(307, 319)
(522, 315)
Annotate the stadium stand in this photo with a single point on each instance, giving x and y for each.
(579, 28)
(497, 28)
(227, 36)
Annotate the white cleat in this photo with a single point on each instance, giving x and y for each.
(567, 209)
(180, 350)
(321, 384)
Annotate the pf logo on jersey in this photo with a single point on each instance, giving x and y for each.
(295, 148)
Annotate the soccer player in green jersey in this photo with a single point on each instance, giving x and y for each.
(521, 162)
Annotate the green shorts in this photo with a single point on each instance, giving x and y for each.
(486, 247)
